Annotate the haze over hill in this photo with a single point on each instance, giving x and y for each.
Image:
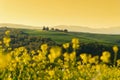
(10, 25)
(110, 30)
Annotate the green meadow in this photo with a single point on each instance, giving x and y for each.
(62, 37)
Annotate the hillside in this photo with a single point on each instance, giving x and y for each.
(62, 37)
(111, 30)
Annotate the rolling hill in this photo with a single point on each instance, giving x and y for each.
(62, 37)
(10, 25)
(111, 30)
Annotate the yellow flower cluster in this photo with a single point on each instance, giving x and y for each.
(87, 58)
(75, 43)
(54, 53)
(66, 45)
(6, 39)
(105, 56)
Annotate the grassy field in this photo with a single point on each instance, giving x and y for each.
(62, 37)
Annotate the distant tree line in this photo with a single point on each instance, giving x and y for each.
(54, 29)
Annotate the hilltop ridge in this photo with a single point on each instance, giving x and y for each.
(111, 30)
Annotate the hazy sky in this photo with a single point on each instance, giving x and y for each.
(91, 13)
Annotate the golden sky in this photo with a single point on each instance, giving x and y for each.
(90, 13)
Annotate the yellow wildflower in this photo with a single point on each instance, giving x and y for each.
(72, 56)
(7, 32)
(93, 59)
(105, 56)
(21, 49)
(75, 41)
(51, 58)
(6, 40)
(33, 52)
(66, 56)
(66, 45)
(118, 62)
(84, 58)
(55, 51)
(115, 49)
(51, 72)
(44, 47)
(97, 67)
(75, 46)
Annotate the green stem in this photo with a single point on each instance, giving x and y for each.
(115, 58)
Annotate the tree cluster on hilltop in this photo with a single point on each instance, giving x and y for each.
(54, 29)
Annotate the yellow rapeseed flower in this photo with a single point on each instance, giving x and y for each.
(44, 47)
(54, 53)
(92, 60)
(51, 72)
(105, 56)
(7, 32)
(6, 40)
(66, 45)
(75, 41)
(73, 56)
(97, 67)
(118, 62)
(21, 49)
(66, 56)
(84, 58)
(33, 52)
(75, 46)
(115, 48)
(51, 58)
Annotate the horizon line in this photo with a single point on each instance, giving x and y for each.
(61, 25)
